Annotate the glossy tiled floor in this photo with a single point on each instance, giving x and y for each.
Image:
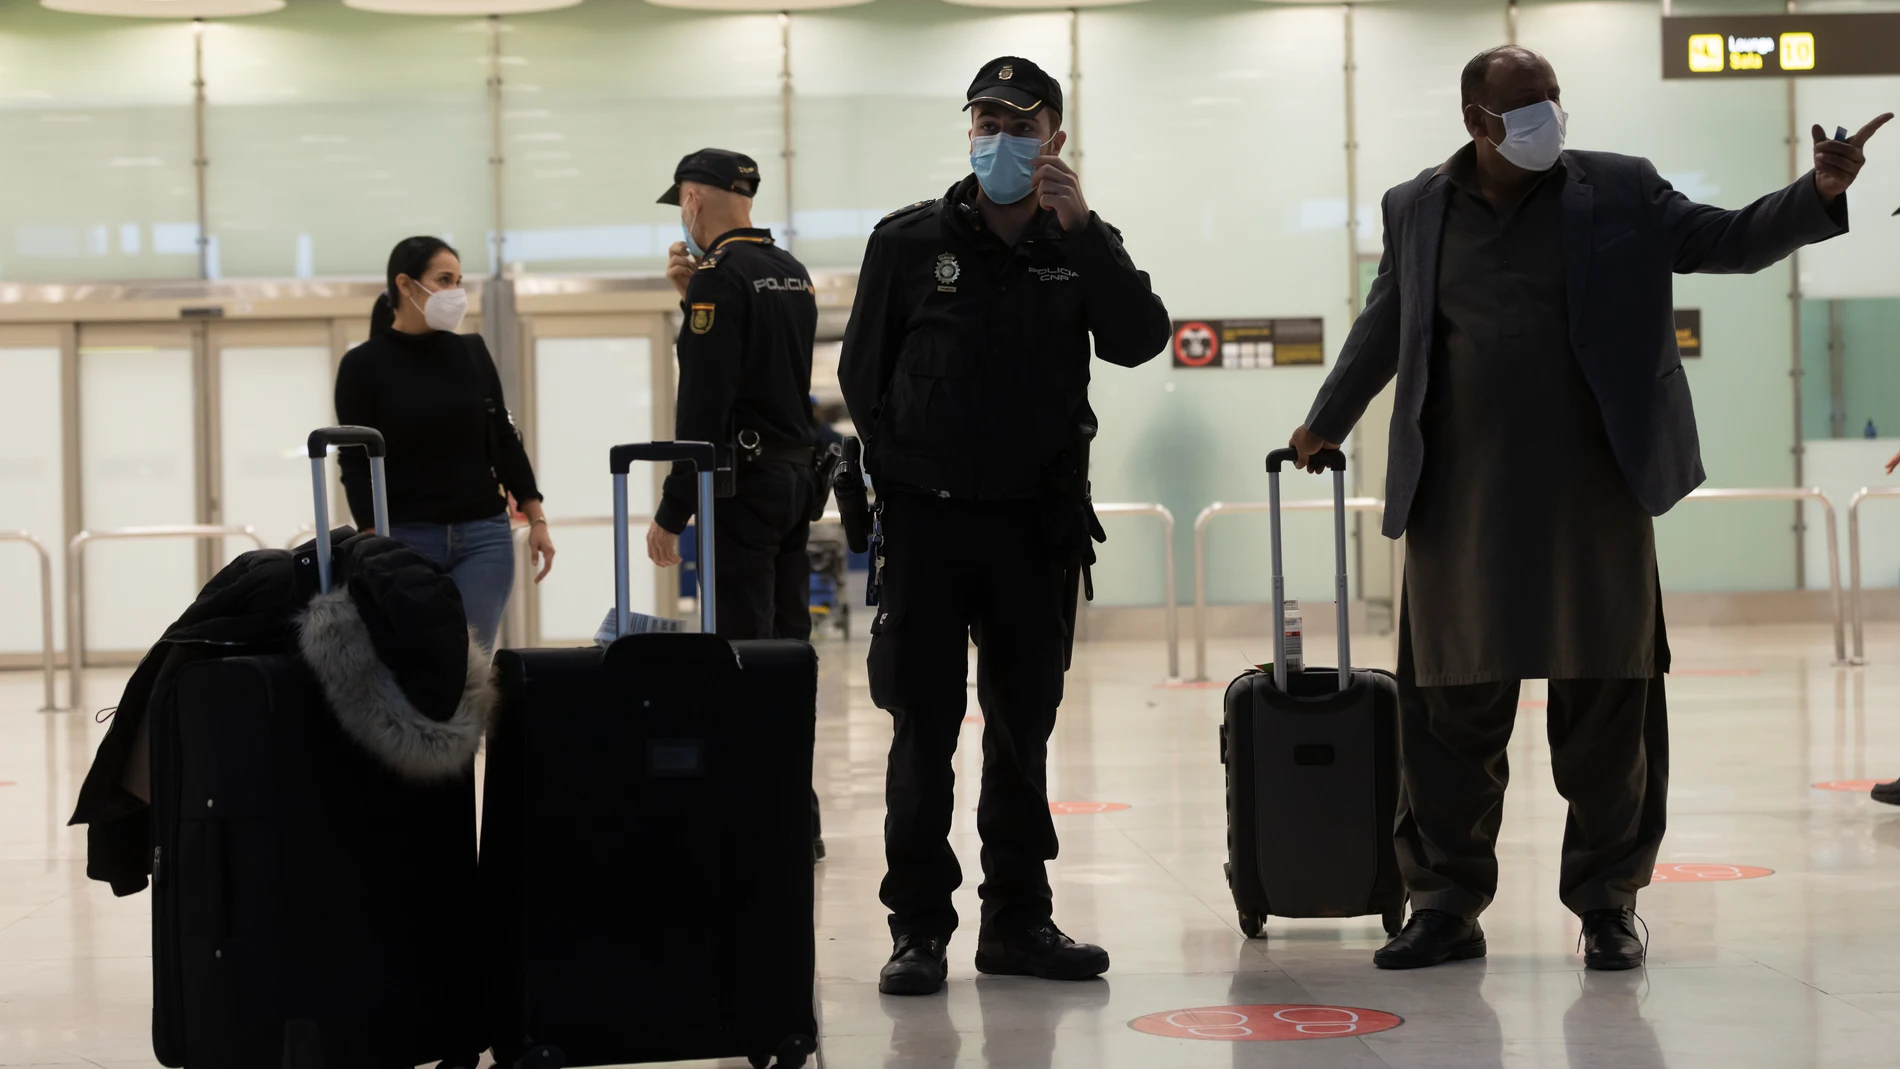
(1799, 968)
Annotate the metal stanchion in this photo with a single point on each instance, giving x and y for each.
(1799, 493)
(518, 614)
(46, 614)
(76, 583)
(1170, 606)
(1853, 560)
(1225, 508)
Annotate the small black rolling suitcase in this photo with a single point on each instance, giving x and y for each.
(646, 858)
(310, 907)
(1312, 762)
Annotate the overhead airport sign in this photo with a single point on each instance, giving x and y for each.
(1778, 46)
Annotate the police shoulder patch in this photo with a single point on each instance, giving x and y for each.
(702, 318)
(905, 212)
(710, 262)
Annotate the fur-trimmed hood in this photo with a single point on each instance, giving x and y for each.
(370, 703)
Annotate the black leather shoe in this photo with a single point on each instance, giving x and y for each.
(1610, 941)
(1041, 951)
(917, 966)
(1887, 792)
(1432, 937)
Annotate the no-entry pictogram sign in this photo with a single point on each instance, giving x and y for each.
(1708, 872)
(1196, 345)
(1266, 1024)
(1070, 809)
(1857, 786)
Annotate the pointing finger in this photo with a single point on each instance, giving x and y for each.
(1868, 131)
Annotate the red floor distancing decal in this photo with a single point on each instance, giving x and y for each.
(1070, 809)
(1708, 872)
(1858, 786)
(1253, 1024)
(8, 783)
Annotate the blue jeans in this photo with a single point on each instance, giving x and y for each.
(480, 556)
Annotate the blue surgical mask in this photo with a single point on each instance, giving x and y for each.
(1004, 165)
(691, 245)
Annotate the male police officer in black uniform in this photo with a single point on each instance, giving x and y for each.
(744, 383)
(966, 369)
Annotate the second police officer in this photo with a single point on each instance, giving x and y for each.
(745, 385)
(966, 371)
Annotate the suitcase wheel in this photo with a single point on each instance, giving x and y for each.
(1252, 925)
(542, 1056)
(791, 1054)
(1394, 922)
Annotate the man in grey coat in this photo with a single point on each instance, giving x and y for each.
(1542, 418)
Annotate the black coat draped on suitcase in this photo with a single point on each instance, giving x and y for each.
(646, 860)
(309, 824)
(1312, 770)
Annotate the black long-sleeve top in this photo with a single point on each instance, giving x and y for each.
(966, 364)
(452, 446)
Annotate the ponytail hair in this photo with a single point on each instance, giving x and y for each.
(411, 257)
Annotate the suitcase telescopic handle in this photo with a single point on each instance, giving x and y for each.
(1336, 460)
(703, 458)
(317, 447)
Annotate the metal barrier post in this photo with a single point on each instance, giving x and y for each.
(1224, 508)
(1853, 560)
(1171, 606)
(1799, 493)
(518, 614)
(76, 584)
(46, 614)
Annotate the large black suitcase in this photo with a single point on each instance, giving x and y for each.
(646, 856)
(1312, 762)
(310, 907)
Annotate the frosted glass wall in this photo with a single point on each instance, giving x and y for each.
(334, 133)
(95, 117)
(601, 102)
(270, 397)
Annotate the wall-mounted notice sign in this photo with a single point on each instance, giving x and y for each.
(1689, 332)
(1248, 344)
(1775, 46)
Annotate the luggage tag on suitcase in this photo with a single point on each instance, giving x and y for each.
(639, 624)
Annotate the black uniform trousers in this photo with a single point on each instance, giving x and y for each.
(1609, 755)
(762, 574)
(953, 571)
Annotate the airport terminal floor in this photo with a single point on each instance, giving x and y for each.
(1774, 919)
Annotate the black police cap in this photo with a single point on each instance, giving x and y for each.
(1015, 83)
(716, 167)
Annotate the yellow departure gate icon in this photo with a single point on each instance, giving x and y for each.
(1706, 52)
(1797, 51)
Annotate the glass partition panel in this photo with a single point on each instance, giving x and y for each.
(97, 170)
(33, 489)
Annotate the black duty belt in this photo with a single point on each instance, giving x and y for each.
(751, 447)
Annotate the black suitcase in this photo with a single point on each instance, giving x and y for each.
(310, 907)
(646, 859)
(1312, 767)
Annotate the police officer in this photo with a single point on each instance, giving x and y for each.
(966, 370)
(744, 385)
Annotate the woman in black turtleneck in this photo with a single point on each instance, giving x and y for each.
(453, 448)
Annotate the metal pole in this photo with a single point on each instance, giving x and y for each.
(1171, 607)
(1800, 448)
(1510, 22)
(1836, 370)
(1799, 495)
(495, 157)
(1073, 98)
(200, 161)
(785, 116)
(1353, 296)
(48, 668)
(1853, 561)
(623, 591)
